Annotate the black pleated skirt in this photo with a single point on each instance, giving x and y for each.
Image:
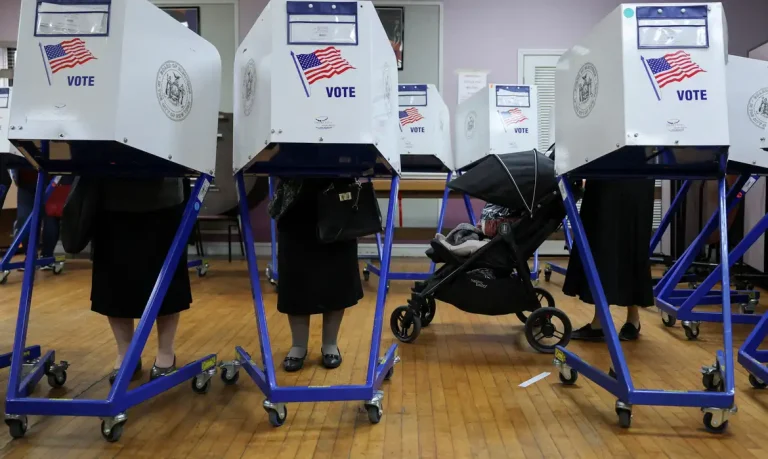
(313, 277)
(129, 249)
(618, 220)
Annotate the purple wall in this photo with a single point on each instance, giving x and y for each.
(470, 26)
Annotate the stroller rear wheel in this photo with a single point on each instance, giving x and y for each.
(543, 331)
(405, 324)
(544, 298)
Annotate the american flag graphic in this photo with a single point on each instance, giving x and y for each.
(67, 54)
(410, 115)
(513, 116)
(323, 63)
(673, 68)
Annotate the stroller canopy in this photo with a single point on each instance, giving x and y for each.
(517, 181)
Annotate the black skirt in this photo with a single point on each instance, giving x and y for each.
(313, 277)
(129, 249)
(618, 220)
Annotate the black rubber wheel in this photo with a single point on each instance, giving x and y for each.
(3, 278)
(229, 381)
(57, 380)
(274, 417)
(428, 312)
(114, 434)
(710, 428)
(670, 321)
(30, 389)
(405, 324)
(569, 381)
(389, 374)
(17, 427)
(542, 297)
(374, 415)
(201, 272)
(708, 381)
(756, 383)
(200, 389)
(625, 418)
(366, 276)
(540, 326)
(547, 275)
(690, 333)
(57, 269)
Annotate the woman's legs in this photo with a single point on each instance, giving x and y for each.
(594, 330)
(166, 333)
(122, 329)
(300, 335)
(331, 326)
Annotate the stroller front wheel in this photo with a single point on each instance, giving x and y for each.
(405, 324)
(543, 332)
(543, 298)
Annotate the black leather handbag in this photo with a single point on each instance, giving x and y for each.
(347, 211)
(79, 213)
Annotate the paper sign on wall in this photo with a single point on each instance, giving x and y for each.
(470, 82)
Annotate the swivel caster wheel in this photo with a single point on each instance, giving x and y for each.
(711, 379)
(668, 320)
(366, 275)
(756, 382)
(389, 374)
(624, 412)
(4, 277)
(691, 329)
(748, 308)
(547, 275)
(57, 374)
(58, 268)
(715, 424)
(112, 428)
(692, 285)
(17, 425)
(569, 379)
(229, 378)
(277, 413)
(200, 386)
(374, 408)
(202, 270)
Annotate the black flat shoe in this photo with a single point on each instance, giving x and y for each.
(587, 333)
(136, 374)
(158, 372)
(331, 361)
(293, 364)
(629, 332)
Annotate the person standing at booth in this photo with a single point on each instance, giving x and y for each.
(132, 233)
(315, 277)
(25, 180)
(618, 221)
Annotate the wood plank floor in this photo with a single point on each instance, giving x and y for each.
(455, 394)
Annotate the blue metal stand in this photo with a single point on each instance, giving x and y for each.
(718, 403)
(263, 375)
(6, 265)
(112, 410)
(679, 304)
(554, 267)
(272, 275)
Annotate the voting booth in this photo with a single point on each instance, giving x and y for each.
(8, 152)
(111, 88)
(497, 119)
(646, 76)
(425, 141)
(643, 95)
(315, 96)
(315, 86)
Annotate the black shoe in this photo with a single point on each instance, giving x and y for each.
(158, 372)
(136, 374)
(293, 364)
(331, 361)
(587, 333)
(629, 332)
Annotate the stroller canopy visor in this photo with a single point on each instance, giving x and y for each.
(517, 181)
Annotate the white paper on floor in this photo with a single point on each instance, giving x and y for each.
(535, 379)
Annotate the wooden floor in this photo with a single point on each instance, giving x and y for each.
(455, 394)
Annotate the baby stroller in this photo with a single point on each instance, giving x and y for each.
(495, 279)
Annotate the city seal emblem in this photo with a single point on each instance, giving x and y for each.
(249, 87)
(174, 91)
(469, 124)
(757, 108)
(585, 90)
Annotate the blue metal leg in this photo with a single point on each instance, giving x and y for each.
(371, 268)
(272, 273)
(264, 377)
(119, 399)
(554, 267)
(714, 403)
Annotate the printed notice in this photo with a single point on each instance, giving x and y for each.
(470, 83)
